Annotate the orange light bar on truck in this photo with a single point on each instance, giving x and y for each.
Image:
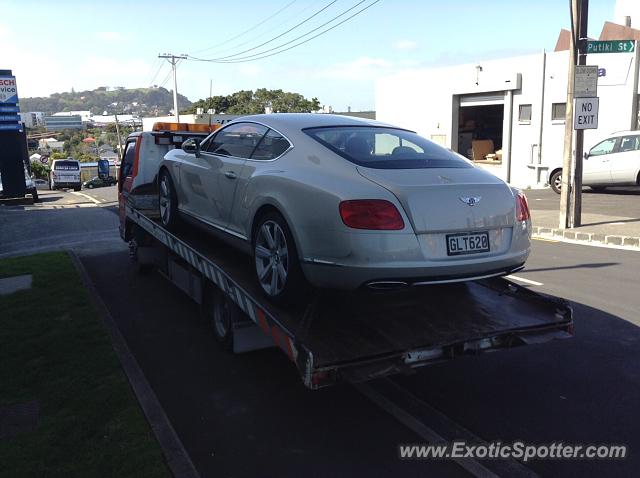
(195, 128)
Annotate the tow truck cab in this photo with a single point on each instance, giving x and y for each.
(143, 151)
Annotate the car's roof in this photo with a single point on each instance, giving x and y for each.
(308, 120)
(624, 133)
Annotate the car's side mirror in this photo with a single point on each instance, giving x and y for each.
(585, 155)
(191, 146)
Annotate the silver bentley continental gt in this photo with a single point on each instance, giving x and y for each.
(341, 202)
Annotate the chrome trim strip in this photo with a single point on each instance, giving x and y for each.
(310, 260)
(208, 223)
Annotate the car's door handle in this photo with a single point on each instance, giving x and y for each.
(230, 175)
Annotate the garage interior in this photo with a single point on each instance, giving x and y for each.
(480, 128)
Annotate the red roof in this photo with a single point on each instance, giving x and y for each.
(88, 140)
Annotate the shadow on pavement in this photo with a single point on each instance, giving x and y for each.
(595, 265)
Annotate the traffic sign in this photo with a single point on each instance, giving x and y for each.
(585, 83)
(585, 113)
(611, 46)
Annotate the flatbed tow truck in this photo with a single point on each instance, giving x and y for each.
(353, 336)
(348, 336)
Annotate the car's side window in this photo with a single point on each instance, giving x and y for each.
(629, 143)
(237, 140)
(273, 144)
(605, 147)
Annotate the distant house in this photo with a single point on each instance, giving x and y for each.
(109, 155)
(50, 144)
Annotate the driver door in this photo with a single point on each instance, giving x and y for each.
(211, 179)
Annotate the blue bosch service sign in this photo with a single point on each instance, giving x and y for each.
(9, 117)
(8, 90)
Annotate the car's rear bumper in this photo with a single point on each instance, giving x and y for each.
(342, 276)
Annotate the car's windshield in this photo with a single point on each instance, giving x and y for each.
(386, 148)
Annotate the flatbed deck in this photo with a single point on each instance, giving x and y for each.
(364, 334)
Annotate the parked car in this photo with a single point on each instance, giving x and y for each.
(98, 182)
(342, 202)
(29, 183)
(614, 161)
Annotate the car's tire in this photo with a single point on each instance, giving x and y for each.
(90, 186)
(555, 181)
(167, 201)
(276, 262)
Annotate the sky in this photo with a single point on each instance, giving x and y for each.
(53, 46)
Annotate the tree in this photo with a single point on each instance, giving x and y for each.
(247, 102)
(40, 170)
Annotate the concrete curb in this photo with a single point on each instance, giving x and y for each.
(591, 238)
(177, 458)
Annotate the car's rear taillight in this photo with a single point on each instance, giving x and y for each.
(522, 208)
(375, 214)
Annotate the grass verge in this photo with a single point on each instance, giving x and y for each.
(55, 349)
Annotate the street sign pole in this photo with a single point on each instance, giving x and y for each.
(576, 191)
(571, 189)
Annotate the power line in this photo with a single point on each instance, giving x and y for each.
(299, 37)
(274, 38)
(264, 33)
(257, 57)
(248, 29)
(160, 65)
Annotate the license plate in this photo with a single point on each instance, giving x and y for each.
(467, 243)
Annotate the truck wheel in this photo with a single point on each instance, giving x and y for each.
(555, 181)
(77, 188)
(277, 266)
(221, 312)
(168, 202)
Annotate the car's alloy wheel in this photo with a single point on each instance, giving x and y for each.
(556, 181)
(272, 258)
(167, 202)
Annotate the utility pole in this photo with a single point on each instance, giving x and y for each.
(571, 190)
(173, 59)
(120, 152)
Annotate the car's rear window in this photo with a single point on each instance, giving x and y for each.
(66, 166)
(386, 148)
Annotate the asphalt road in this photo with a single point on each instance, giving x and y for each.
(249, 415)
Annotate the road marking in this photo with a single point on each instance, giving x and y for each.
(92, 199)
(617, 224)
(507, 467)
(524, 281)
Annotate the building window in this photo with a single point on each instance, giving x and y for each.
(525, 114)
(558, 111)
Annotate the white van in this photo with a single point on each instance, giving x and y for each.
(65, 173)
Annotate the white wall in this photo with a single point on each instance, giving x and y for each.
(423, 100)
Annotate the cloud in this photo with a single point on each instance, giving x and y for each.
(405, 45)
(5, 32)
